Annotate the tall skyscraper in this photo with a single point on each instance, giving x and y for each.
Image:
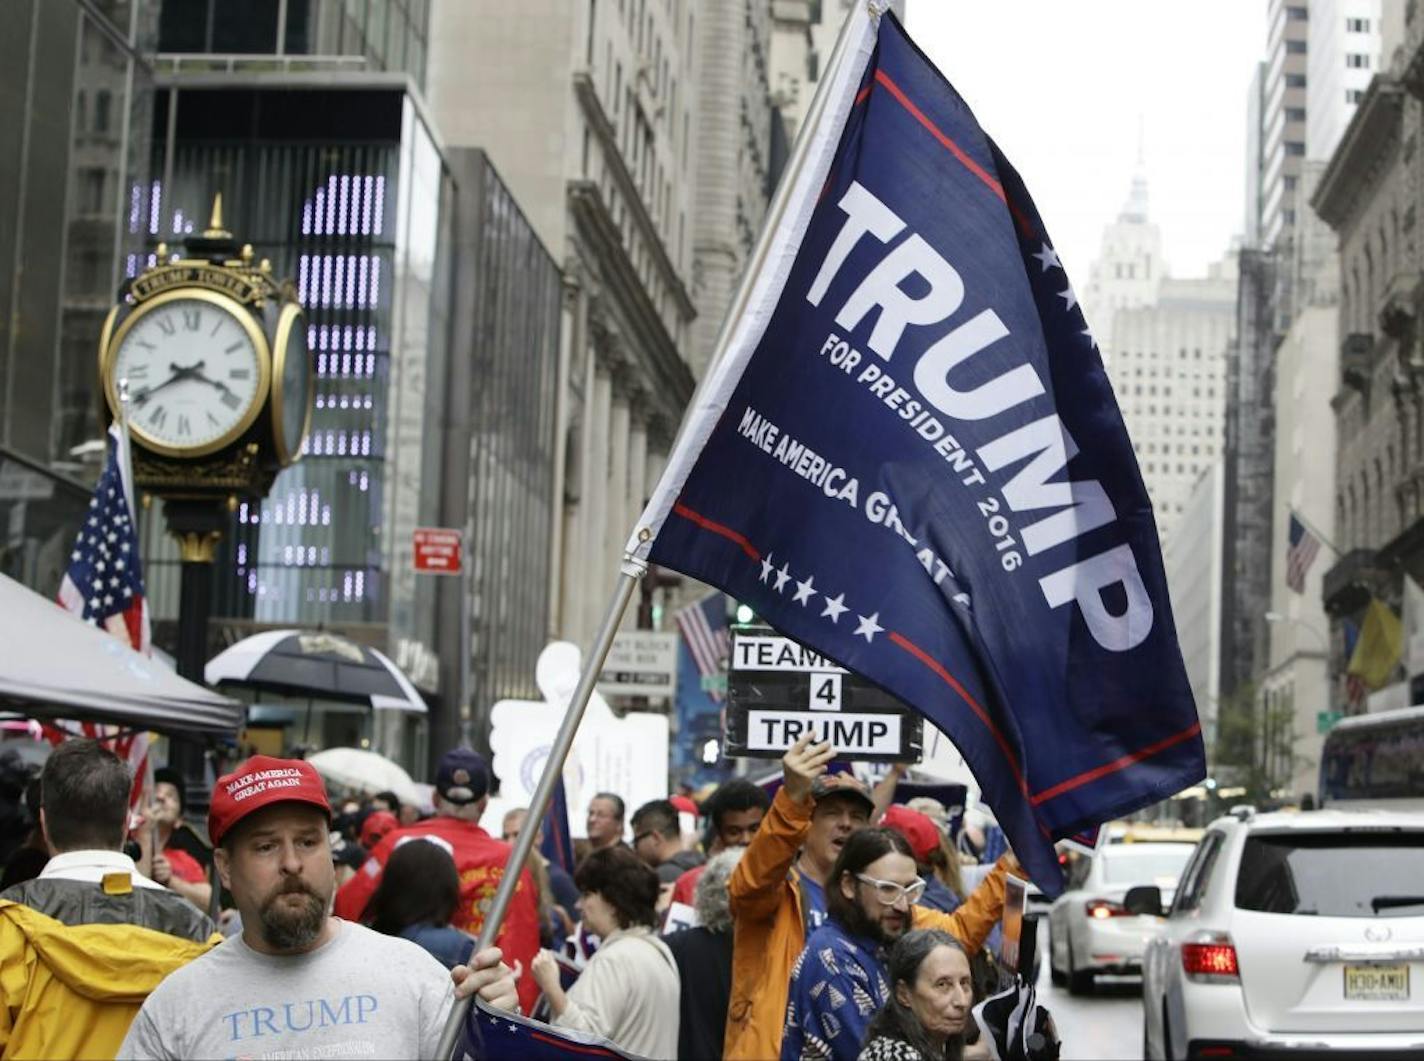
(1164, 341)
(1284, 115)
(1344, 43)
(589, 112)
(1168, 367)
(432, 312)
(740, 146)
(1129, 268)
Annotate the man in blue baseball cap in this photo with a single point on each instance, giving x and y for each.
(461, 793)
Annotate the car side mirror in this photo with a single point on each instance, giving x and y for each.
(1145, 899)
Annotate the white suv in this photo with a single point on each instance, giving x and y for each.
(1291, 933)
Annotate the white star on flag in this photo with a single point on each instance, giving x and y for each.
(782, 575)
(1069, 298)
(766, 567)
(834, 606)
(1049, 257)
(869, 626)
(805, 590)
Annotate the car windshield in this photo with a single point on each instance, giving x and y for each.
(1354, 874)
(1144, 864)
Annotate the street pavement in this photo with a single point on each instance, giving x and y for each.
(1105, 1024)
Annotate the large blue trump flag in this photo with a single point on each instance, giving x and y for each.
(910, 459)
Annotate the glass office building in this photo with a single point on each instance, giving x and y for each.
(307, 116)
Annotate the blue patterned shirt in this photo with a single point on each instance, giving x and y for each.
(837, 986)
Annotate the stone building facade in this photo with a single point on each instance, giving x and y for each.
(589, 113)
(1371, 195)
(737, 165)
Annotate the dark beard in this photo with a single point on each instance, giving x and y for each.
(858, 924)
(284, 929)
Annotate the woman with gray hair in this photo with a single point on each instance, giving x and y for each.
(704, 960)
(931, 994)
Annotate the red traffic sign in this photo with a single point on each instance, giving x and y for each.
(437, 550)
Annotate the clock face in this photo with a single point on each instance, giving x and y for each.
(194, 371)
(292, 401)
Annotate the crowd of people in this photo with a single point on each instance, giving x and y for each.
(824, 921)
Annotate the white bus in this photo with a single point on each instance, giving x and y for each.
(1375, 761)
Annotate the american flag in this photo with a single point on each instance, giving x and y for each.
(103, 585)
(1301, 551)
(704, 627)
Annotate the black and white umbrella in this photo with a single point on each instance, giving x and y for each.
(315, 663)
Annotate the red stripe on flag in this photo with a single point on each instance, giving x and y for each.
(1117, 764)
(1022, 219)
(717, 528)
(949, 679)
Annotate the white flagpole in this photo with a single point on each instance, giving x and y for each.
(632, 570)
(125, 452)
(635, 558)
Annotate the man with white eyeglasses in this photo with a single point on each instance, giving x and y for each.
(839, 982)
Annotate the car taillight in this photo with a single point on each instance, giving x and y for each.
(1105, 908)
(1214, 960)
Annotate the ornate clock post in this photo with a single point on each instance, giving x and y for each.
(214, 354)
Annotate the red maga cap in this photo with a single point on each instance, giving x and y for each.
(260, 782)
(919, 829)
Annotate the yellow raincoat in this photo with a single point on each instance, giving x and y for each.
(72, 991)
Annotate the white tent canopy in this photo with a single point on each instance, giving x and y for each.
(55, 665)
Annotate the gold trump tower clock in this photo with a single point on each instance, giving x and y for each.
(211, 351)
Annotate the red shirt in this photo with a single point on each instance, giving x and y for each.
(480, 860)
(184, 866)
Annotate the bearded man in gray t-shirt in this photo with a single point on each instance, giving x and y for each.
(298, 982)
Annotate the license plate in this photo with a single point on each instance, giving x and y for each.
(1381, 983)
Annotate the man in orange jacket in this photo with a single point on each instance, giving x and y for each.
(778, 897)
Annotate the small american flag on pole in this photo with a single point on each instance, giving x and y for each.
(1301, 550)
(103, 585)
(706, 635)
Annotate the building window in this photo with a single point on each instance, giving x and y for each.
(1357, 25)
(1297, 14)
(1294, 149)
(1357, 61)
(1290, 183)
(1295, 114)
(1295, 47)
(1354, 95)
(1295, 81)
(91, 190)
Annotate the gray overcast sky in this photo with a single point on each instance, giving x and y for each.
(1061, 85)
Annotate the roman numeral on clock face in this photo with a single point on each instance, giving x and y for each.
(166, 326)
(185, 426)
(231, 400)
(192, 318)
(240, 373)
(158, 417)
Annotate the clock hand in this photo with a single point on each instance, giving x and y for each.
(201, 378)
(180, 372)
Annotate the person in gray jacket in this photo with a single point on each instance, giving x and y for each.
(84, 808)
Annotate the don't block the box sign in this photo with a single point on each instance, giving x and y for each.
(778, 690)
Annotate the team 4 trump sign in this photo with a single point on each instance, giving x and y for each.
(909, 458)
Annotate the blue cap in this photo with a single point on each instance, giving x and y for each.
(462, 777)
